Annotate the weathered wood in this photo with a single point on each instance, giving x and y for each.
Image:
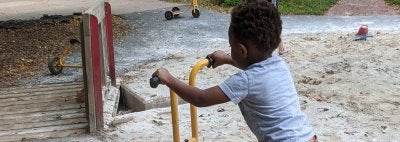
(110, 45)
(97, 11)
(96, 72)
(64, 96)
(54, 103)
(63, 133)
(103, 52)
(84, 59)
(46, 123)
(14, 90)
(96, 61)
(43, 129)
(43, 85)
(38, 118)
(41, 111)
(88, 73)
(39, 108)
(39, 115)
(41, 92)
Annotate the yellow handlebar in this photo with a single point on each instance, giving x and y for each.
(193, 109)
(174, 101)
(199, 65)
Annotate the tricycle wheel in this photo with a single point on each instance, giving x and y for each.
(195, 13)
(169, 15)
(54, 67)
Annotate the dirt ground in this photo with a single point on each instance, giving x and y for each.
(27, 45)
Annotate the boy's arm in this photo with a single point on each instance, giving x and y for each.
(193, 95)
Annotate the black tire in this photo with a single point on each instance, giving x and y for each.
(195, 13)
(53, 66)
(175, 9)
(169, 15)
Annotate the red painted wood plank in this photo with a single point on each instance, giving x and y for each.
(110, 46)
(96, 70)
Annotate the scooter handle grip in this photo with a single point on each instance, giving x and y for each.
(154, 82)
(211, 60)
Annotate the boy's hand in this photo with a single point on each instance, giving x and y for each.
(220, 58)
(162, 74)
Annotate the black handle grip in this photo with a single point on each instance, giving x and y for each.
(154, 82)
(211, 60)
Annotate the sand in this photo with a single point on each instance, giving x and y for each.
(348, 89)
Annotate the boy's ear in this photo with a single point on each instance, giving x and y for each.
(243, 50)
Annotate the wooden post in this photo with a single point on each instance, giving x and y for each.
(96, 70)
(90, 104)
(103, 52)
(83, 53)
(111, 60)
(99, 60)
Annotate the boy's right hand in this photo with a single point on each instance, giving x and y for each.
(220, 58)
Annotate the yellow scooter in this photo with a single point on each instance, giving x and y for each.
(57, 63)
(155, 81)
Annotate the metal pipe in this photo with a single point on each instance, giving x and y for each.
(155, 81)
(193, 109)
(175, 117)
(195, 4)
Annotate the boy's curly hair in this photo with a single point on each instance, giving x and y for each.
(257, 22)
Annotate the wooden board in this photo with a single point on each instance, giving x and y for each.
(41, 111)
(42, 87)
(53, 134)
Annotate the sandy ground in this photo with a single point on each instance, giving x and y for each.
(348, 89)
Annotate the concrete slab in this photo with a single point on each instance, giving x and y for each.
(136, 100)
